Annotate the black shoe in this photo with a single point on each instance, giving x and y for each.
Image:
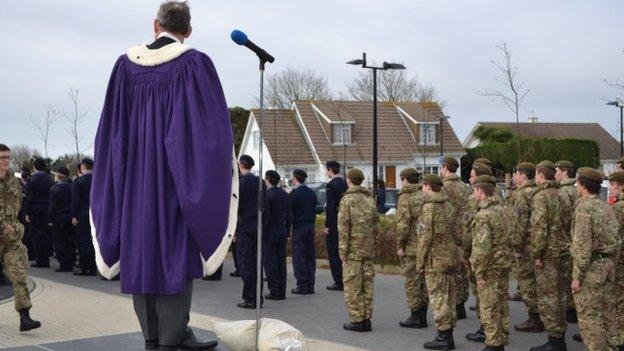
(336, 287)
(355, 326)
(66, 269)
(211, 278)
(299, 291)
(115, 278)
(274, 297)
(443, 341)
(26, 323)
(494, 348)
(478, 336)
(192, 343)
(620, 348)
(571, 316)
(40, 265)
(577, 338)
(473, 308)
(417, 320)
(167, 348)
(247, 305)
(461, 311)
(515, 297)
(368, 325)
(151, 344)
(311, 291)
(235, 274)
(553, 344)
(84, 272)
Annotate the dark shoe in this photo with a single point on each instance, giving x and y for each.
(443, 341)
(192, 343)
(66, 269)
(115, 278)
(553, 344)
(478, 336)
(247, 305)
(26, 323)
(274, 297)
(417, 320)
(235, 274)
(40, 265)
(620, 348)
(167, 348)
(299, 291)
(461, 311)
(335, 287)
(84, 272)
(368, 325)
(494, 348)
(473, 308)
(211, 278)
(532, 325)
(515, 297)
(571, 316)
(577, 338)
(151, 344)
(356, 327)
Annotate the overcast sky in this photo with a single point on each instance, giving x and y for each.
(564, 50)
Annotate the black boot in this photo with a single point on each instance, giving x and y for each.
(577, 338)
(553, 344)
(571, 316)
(461, 311)
(368, 324)
(444, 341)
(621, 348)
(355, 326)
(494, 348)
(478, 336)
(532, 325)
(26, 323)
(417, 320)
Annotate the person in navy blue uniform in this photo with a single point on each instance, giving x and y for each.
(36, 211)
(247, 229)
(275, 236)
(303, 204)
(381, 196)
(81, 191)
(60, 220)
(334, 191)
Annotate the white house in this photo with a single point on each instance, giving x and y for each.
(313, 132)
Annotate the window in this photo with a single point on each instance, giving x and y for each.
(428, 133)
(342, 133)
(428, 169)
(256, 139)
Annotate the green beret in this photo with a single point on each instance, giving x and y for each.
(617, 177)
(525, 166)
(621, 160)
(481, 169)
(409, 172)
(484, 161)
(451, 161)
(564, 164)
(484, 179)
(591, 174)
(546, 164)
(355, 175)
(433, 179)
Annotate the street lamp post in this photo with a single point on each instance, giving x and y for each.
(385, 66)
(619, 103)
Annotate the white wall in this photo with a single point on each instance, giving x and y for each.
(608, 166)
(248, 148)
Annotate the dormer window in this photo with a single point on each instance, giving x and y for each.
(342, 133)
(428, 133)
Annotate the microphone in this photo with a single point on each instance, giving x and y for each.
(240, 38)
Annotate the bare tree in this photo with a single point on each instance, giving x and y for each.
(43, 126)
(616, 84)
(514, 92)
(75, 119)
(294, 84)
(22, 154)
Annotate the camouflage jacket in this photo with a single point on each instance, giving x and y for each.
(547, 237)
(408, 210)
(618, 207)
(458, 194)
(568, 195)
(490, 238)
(437, 242)
(358, 224)
(595, 233)
(466, 236)
(10, 203)
(521, 202)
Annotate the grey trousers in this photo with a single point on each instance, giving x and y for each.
(164, 317)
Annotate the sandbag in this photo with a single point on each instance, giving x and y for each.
(237, 336)
(275, 335)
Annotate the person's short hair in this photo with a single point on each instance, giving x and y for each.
(333, 166)
(4, 148)
(25, 172)
(436, 188)
(591, 186)
(175, 17)
(434, 181)
(246, 161)
(39, 164)
(273, 177)
(487, 188)
(87, 163)
(450, 163)
(570, 171)
(411, 175)
(549, 173)
(381, 184)
(300, 175)
(529, 173)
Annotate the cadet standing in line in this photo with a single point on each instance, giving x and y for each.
(490, 262)
(409, 207)
(22, 215)
(81, 192)
(524, 265)
(548, 246)
(303, 203)
(36, 210)
(275, 236)
(616, 188)
(12, 251)
(334, 190)
(358, 225)
(566, 177)
(458, 194)
(436, 239)
(594, 249)
(59, 218)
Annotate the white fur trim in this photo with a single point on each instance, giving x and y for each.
(216, 259)
(143, 56)
(106, 271)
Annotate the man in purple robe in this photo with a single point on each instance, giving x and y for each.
(163, 198)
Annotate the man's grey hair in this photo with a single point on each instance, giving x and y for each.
(175, 16)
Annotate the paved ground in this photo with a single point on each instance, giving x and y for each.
(79, 307)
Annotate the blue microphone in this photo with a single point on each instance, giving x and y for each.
(240, 38)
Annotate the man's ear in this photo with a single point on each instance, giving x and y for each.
(188, 34)
(156, 26)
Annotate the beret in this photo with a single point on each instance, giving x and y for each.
(355, 175)
(433, 179)
(617, 177)
(484, 179)
(409, 172)
(484, 161)
(481, 169)
(546, 164)
(526, 166)
(591, 174)
(564, 164)
(247, 159)
(451, 161)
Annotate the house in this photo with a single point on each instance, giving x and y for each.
(609, 146)
(313, 132)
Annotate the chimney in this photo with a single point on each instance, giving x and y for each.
(533, 119)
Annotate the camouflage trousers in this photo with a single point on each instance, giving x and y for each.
(493, 307)
(462, 281)
(473, 288)
(415, 287)
(594, 306)
(358, 279)
(524, 270)
(568, 300)
(15, 260)
(441, 288)
(618, 301)
(550, 296)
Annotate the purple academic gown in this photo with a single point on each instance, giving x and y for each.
(162, 172)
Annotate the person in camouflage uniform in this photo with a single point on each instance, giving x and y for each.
(409, 208)
(358, 225)
(616, 188)
(490, 262)
(437, 237)
(594, 249)
(549, 244)
(565, 176)
(523, 269)
(12, 251)
(458, 193)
